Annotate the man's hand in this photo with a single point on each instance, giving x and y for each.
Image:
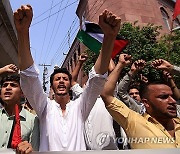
(24, 148)
(124, 59)
(83, 57)
(11, 68)
(137, 66)
(109, 23)
(23, 17)
(162, 65)
(143, 78)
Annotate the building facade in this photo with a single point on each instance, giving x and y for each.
(8, 38)
(158, 12)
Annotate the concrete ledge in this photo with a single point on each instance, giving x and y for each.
(136, 151)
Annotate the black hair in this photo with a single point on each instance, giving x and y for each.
(14, 77)
(134, 85)
(60, 70)
(143, 92)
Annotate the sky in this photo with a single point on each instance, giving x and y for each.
(53, 29)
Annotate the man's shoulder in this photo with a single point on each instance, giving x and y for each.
(177, 120)
(29, 115)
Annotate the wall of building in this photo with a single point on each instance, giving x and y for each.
(158, 12)
(143, 11)
(8, 39)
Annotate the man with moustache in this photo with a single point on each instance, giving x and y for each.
(62, 120)
(159, 124)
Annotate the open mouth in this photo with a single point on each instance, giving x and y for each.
(61, 87)
(7, 94)
(172, 108)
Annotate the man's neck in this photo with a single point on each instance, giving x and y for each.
(167, 123)
(62, 101)
(10, 108)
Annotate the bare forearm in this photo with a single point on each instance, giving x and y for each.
(2, 70)
(111, 66)
(175, 89)
(112, 80)
(76, 72)
(102, 63)
(175, 70)
(24, 54)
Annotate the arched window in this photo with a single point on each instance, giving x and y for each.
(165, 17)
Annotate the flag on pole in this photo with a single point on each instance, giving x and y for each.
(92, 36)
(176, 9)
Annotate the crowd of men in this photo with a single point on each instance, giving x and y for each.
(104, 114)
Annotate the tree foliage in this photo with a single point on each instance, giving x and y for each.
(145, 43)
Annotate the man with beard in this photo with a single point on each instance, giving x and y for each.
(158, 127)
(62, 120)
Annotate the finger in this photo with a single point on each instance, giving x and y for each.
(28, 10)
(154, 63)
(128, 57)
(22, 149)
(28, 150)
(102, 16)
(112, 19)
(20, 13)
(10, 66)
(13, 67)
(23, 143)
(116, 22)
(29, 6)
(16, 16)
(159, 61)
(108, 16)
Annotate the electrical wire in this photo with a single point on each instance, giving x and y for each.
(46, 32)
(53, 13)
(56, 31)
(64, 42)
(62, 47)
(47, 10)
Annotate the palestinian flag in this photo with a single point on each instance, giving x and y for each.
(92, 36)
(176, 9)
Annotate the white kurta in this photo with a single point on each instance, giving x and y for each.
(57, 132)
(99, 132)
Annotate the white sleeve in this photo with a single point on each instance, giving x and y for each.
(76, 91)
(92, 90)
(32, 89)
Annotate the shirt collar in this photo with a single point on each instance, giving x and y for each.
(177, 120)
(68, 106)
(151, 119)
(22, 114)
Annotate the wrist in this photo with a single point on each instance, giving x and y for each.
(110, 36)
(3, 70)
(80, 63)
(173, 87)
(170, 68)
(23, 31)
(120, 64)
(132, 72)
